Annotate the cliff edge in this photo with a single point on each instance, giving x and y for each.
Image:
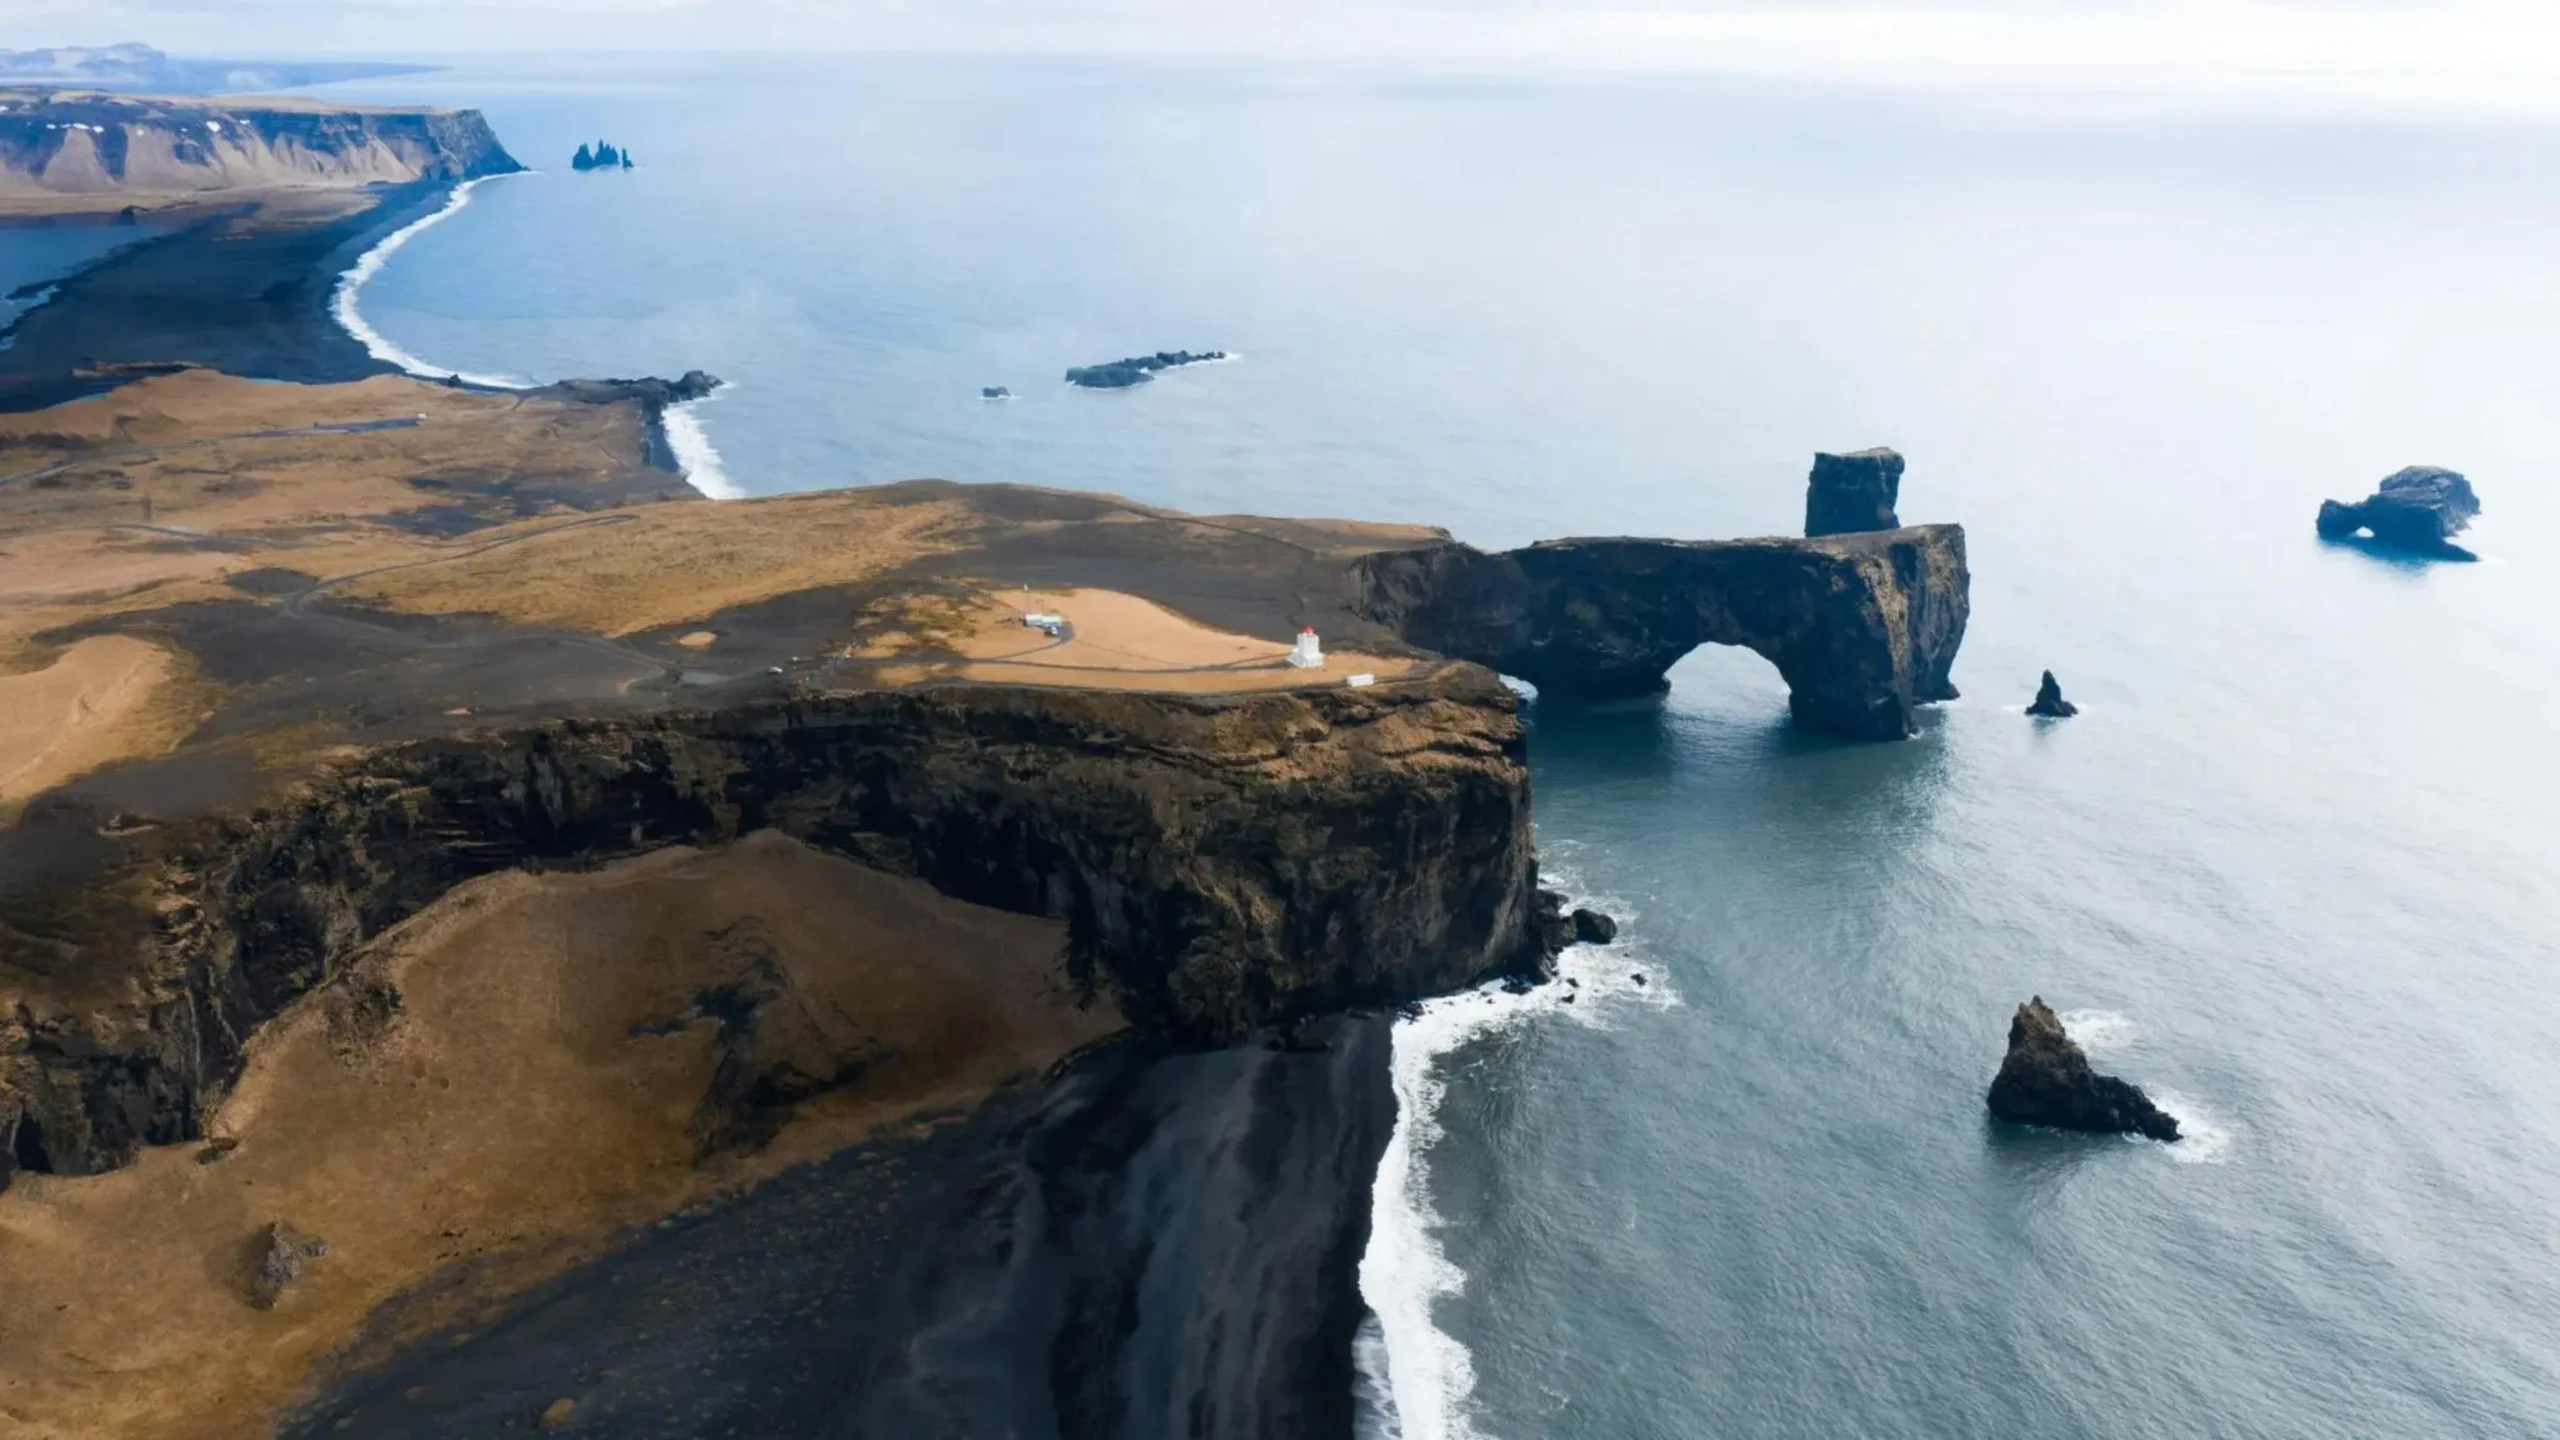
(66, 150)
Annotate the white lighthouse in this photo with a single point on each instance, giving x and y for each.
(1309, 655)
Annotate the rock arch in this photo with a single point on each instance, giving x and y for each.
(1863, 627)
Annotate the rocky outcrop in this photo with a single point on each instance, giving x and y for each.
(2419, 509)
(2046, 1080)
(1136, 369)
(1220, 864)
(1863, 627)
(73, 142)
(2049, 704)
(283, 1249)
(1852, 493)
(649, 390)
(1590, 927)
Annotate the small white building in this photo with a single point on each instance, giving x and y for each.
(1309, 655)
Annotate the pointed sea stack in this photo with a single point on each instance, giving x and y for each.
(1850, 493)
(2049, 704)
(2046, 1080)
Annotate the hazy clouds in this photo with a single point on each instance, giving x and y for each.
(2473, 54)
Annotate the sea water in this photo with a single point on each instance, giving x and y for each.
(2292, 868)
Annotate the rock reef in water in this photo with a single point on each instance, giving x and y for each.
(994, 392)
(1851, 493)
(2049, 704)
(1864, 627)
(648, 390)
(2419, 510)
(1590, 927)
(2046, 1080)
(600, 156)
(1136, 369)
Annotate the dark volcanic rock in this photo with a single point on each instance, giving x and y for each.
(1852, 493)
(283, 1249)
(694, 385)
(1863, 627)
(2049, 703)
(2046, 1080)
(1590, 927)
(2419, 510)
(1136, 369)
(1210, 885)
(1161, 1243)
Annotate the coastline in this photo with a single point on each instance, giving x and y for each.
(268, 298)
(257, 303)
(350, 287)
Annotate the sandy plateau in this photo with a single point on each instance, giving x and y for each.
(1111, 639)
(214, 590)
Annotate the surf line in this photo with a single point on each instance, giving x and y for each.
(342, 302)
(695, 457)
(1427, 1388)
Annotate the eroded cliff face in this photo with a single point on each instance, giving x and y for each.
(72, 142)
(1219, 863)
(1864, 627)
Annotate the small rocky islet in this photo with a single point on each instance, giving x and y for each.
(1136, 369)
(2045, 1080)
(2418, 510)
(2049, 704)
(600, 156)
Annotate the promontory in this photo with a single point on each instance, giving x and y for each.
(466, 901)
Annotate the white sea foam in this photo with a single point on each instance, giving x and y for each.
(695, 455)
(1405, 1274)
(342, 304)
(2203, 1137)
(2097, 1029)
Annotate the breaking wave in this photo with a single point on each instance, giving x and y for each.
(1416, 1381)
(342, 302)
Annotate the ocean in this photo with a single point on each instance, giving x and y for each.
(2291, 868)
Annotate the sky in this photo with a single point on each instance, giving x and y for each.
(2467, 55)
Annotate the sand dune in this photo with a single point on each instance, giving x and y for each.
(80, 711)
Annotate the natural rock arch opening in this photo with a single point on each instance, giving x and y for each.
(1862, 627)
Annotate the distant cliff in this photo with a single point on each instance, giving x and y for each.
(139, 67)
(84, 143)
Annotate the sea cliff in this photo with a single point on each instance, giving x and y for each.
(1219, 864)
(61, 147)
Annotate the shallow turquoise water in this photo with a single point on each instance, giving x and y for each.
(2292, 867)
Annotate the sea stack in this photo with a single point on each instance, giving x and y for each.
(1851, 493)
(2419, 509)
(2046, 1080)
(2049, 704)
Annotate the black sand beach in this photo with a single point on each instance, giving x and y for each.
(1155, 1245)
(230, 289)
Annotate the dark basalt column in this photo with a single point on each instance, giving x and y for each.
(1863, 627)
(1853, 493)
